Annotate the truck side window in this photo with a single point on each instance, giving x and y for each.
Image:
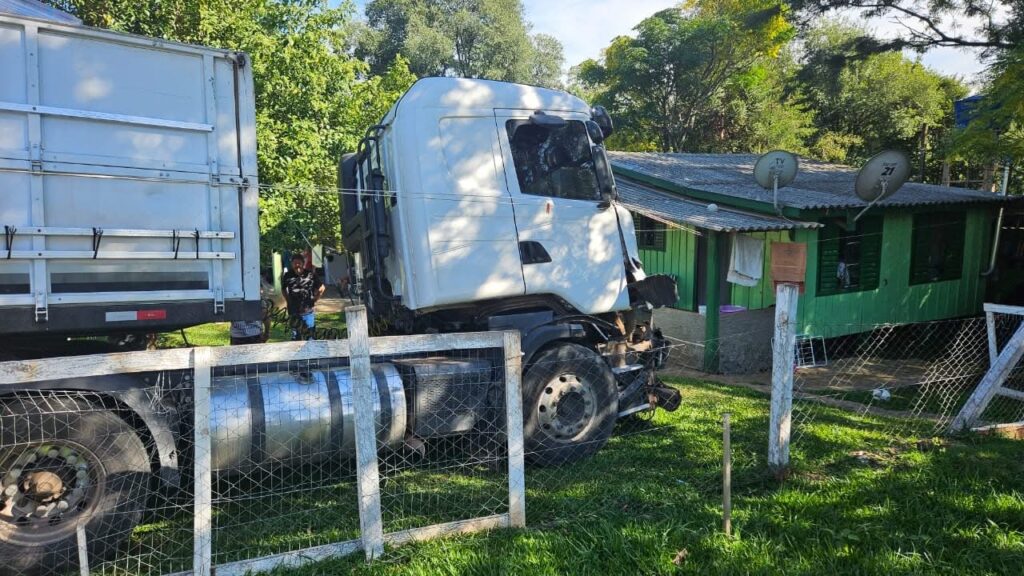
(553, 162)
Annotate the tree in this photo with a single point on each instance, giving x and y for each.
(669, 83)
(468, 38)
(931, 23)
(313, 100)
(866, 103)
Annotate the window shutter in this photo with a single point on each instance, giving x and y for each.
(937, 235)
(870, 231)
(828, 259)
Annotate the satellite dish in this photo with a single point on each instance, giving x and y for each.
(881, 177)
(775, 170)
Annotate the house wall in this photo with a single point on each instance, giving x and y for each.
(679, 260)
(895, 300)
(763, 294)
(744, 346)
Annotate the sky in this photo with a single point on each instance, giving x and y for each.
(585, 27)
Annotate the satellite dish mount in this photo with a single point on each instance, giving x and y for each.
(774, 170)
(881, 177)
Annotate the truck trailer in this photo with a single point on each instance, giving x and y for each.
(129, 201)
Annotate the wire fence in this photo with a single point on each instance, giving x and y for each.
(911, 381)
(601, 445)
(276, 455)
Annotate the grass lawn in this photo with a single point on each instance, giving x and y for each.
(216, 334)
(858, 501)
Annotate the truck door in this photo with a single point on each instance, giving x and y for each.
(568, 238)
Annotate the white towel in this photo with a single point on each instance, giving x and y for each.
(746, 261)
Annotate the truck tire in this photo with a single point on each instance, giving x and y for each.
(570, 404)
(64, 462)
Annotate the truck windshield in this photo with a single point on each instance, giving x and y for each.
(553, 162)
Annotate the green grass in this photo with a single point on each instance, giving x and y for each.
(652, 495)
(217, 334)
(858, 500)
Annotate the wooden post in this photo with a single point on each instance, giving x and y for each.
(783, 355)
(202, 539)
(371, 525)
(278, 267)
(514, 430)
(991, 382)
(726, 475)
(993, 344)
(711, 303)
(83, 550)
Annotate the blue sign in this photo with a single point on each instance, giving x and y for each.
(965, 110)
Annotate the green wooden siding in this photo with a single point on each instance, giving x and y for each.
(678, 259)
(896, 300)
(763, 294)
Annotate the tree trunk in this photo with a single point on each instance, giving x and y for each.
(945, 172)
(922, 152)
(988, 183)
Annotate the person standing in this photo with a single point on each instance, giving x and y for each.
(302, 288)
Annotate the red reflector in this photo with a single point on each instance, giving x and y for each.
(151, 315)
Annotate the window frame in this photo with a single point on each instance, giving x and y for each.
(868, 227)
(657, 233)
(923, 224)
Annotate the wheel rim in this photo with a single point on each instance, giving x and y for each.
(567, 407)
(46, 489)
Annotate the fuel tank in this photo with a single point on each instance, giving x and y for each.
(297, 416)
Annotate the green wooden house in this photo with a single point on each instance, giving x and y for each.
(916, 256)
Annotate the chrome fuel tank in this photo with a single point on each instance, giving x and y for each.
(297, 416)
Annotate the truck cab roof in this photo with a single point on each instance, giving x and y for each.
(473, 94)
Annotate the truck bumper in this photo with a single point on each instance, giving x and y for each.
(134, 317)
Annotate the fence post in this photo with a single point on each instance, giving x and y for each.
(783, 356)
(726, 475)
(514, 430)
(202, 550)
(991, 382)
(371, 525)
(993, 343)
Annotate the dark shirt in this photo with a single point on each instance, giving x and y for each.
(300, 291)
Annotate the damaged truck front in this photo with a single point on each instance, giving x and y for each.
(481, 205)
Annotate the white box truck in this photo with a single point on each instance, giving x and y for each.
(128, 189)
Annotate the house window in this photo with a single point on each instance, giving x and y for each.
(849, 257)
(937, 247)
(650, 234)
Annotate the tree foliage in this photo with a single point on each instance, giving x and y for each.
(468, 38)
(867, 103)
(991, 26)
(312, 98)
(675, 86)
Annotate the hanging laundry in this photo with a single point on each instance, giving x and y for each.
(746, 260)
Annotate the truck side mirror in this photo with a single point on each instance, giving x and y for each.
(604, 120)
(605, 179)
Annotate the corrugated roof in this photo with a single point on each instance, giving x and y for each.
(818, 185)
(35, 9)
(674, 208)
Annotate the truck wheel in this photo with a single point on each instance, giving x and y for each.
(570, 404)
(64, 463)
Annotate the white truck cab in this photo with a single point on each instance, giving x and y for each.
(492, 192)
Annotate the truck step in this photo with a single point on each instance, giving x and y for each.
(627, 368)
